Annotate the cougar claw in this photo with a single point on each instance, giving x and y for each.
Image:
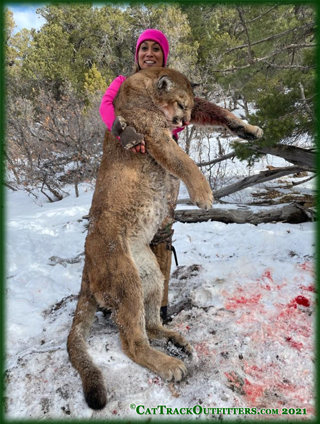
(259, 132)
(122, 122)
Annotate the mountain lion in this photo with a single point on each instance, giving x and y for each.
(128, 206)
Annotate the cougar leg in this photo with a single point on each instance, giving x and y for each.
(163, 256)
(91, 376)
(128, 300)
(152, 282)
(131, 323)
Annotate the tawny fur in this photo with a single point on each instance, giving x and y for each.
(206, 113)
(128, 206)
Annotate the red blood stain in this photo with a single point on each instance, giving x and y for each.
(296, 345)
(234, 379)
(301, 300)
(306, 266)
(267, 274)
(156, 380)
(292, 320)
(286, 385)
(253, 370)
(202, 349)
(253, 391)
(308, 288)
(241, 301)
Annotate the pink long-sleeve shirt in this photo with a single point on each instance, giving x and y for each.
(107, 109)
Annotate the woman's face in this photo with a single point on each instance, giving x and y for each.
(150, 55)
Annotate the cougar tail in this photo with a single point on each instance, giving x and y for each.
(92, 380)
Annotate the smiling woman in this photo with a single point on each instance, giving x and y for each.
(26, 17)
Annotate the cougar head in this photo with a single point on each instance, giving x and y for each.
(174, 97)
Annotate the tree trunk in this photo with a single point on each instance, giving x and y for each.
(188, 137)
(292, 213)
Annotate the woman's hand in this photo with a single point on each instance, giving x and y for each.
(139, 148)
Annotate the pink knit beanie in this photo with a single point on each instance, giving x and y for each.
(154, 35)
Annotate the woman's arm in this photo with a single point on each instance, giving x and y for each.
(128, 137)
(206, 113)
(106, 107)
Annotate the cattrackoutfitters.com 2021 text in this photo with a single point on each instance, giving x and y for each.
(198, 409)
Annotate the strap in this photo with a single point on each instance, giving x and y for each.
(171, 247)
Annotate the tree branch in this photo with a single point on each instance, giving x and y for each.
(272, 37)
(214, 161)
(250, 55)
(302, 68)
(262, 14)
(296, 155)
(263, 59)
(262, 177)
(304, 98)
(304, 181)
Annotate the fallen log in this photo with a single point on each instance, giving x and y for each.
(292, 213)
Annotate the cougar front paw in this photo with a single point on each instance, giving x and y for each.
(201, 194)
(130, 138)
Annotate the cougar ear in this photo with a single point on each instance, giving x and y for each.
(165, 83)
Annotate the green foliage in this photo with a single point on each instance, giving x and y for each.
(244, 153)
(93, 81)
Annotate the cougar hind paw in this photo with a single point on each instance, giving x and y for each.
(246, 131)
(174, 370)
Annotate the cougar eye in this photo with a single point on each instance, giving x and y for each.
(180, 106)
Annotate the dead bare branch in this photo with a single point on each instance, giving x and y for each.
(272, 37)
(263, 59)
(55, 260)
(262, 14)
(250, 54)
(302, 68)
(304, 98)
(262, 177)
(304, 181)
(221, 159)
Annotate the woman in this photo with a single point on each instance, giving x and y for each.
(152, 50)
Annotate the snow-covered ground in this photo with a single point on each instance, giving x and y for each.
(243, 296)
